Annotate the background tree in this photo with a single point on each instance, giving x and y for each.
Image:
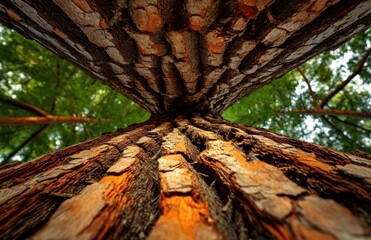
(277, 106)
(35, 76)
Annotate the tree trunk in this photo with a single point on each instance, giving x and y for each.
(197, 55)
(193, 177)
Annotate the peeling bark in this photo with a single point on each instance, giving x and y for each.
(193, 176)
(203, 55)
(188, 178)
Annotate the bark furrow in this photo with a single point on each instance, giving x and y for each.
(188, 178)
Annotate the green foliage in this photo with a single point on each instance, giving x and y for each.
(31, 74)
(290, 92)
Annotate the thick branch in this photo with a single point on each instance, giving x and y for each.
(321, 112)
(25, 106)
(341, 86)
(312, 93)
(44, 120)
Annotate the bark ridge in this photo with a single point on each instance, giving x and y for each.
(192, 55)
(192, 177)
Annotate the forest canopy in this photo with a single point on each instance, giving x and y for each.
(34, 77)
(340, 80)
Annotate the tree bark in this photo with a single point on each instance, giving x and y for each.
(200, 55)
(192, 177)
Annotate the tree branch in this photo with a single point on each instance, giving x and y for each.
(338, 130)
(57, 83)
(351, 124)
(321, 112)
(44, 120)
(358, 69)
(25, 106)
(24, 143)
(43, 117)
(312, 93)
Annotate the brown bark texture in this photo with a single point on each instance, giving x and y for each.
(193, 177)
(187, 55)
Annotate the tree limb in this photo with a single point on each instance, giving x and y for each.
(25, 106)
(312, 93)
(321, 112)
(44, 120)
(351, 124)
(358, 69)
(338, 130)
(24, 143)
(57, 83)
(43, 117)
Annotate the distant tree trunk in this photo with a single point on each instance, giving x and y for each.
(192, 177)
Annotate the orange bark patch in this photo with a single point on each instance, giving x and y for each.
(216, 46)
(310, 160)
(60, 33)
(13, 15)
(248, 8)
(147, 17)
(83, 5)
(196, 22)
(155, 21)
(115, 197)
(150, 80)
(278, 231)
(103, 24)
(185, 213)
(184, 218)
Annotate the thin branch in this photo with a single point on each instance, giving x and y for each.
(321, 112)
(341, 86)
(61, 85)
(68, 97)
(312, 93)
(24, 143)
(25, 106)
(44, 120)
(338, 130)
(351, 124)
(57, 83)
